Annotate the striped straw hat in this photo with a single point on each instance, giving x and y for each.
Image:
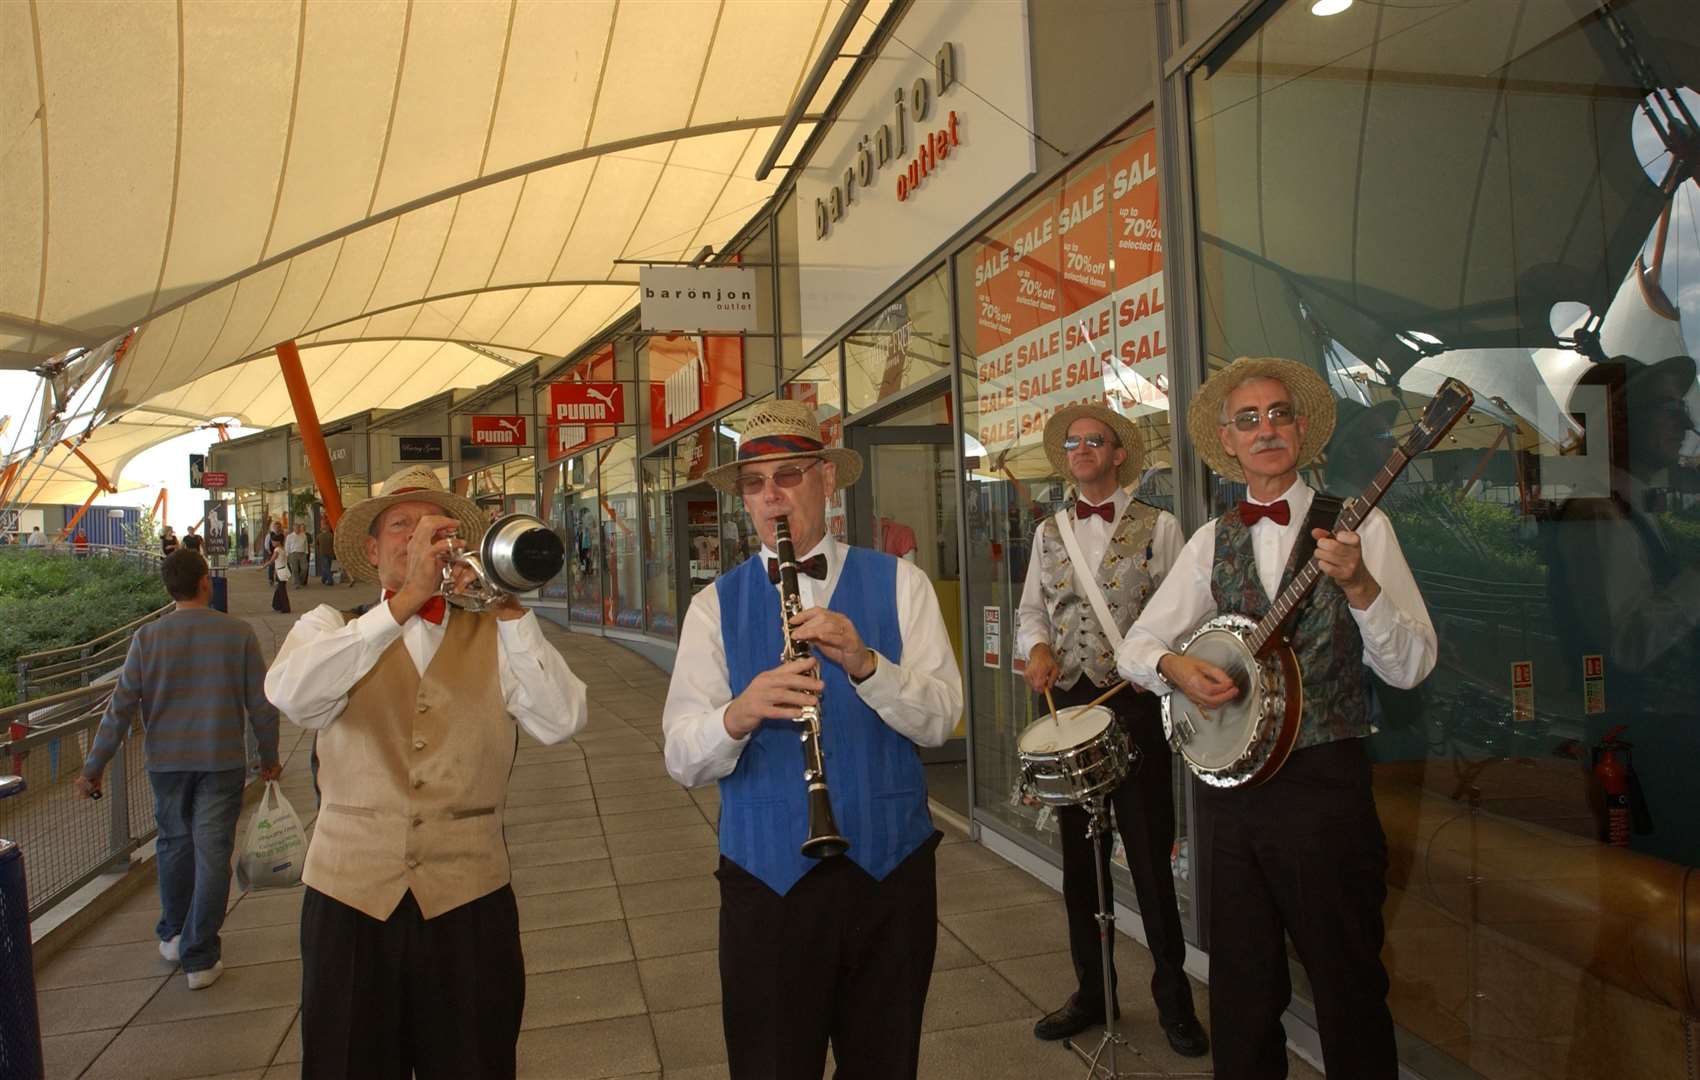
(784, 428)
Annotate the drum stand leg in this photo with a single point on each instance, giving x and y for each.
(1101, 1063)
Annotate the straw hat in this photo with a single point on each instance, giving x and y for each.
(416, 483)
(1056, 429)
(1311, 397)
(779, 429)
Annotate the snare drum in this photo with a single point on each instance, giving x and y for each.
(1081, 753)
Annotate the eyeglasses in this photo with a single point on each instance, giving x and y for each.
(1277, 415)
(786, 476)
(1095, 441)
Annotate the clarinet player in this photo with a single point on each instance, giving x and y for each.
(836, 950)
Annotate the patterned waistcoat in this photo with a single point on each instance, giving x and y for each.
(1124, 577)
(879, 793)
(1324, 635)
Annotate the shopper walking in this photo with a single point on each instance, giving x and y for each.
(195, 679)
(279, 570)
(296, 547)
(324, 550)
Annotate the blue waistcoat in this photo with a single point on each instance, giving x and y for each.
(879, 793)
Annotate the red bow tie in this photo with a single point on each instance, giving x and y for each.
(1251, 513)
(815, 568)
(1084, 510)
(433, 610)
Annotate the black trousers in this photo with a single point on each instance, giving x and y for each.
(1144, 808)
(409, 996)
(840, 958)
(1302, 855)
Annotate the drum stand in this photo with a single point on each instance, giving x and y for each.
(1098, 828)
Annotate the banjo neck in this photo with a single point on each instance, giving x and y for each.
(1352, 514)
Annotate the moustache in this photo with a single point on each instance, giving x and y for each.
(1269, 442)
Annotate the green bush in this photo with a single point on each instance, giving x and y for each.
(49, 599)
(1442, 531)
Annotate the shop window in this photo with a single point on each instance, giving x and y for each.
(1063, 301)
(585, 567)
(1395, 197)
(552, 508)
(907, 342)
(660, 594)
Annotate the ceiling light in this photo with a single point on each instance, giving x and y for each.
(1329, 7)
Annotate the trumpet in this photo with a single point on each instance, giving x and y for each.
(824, 839)
(517, 554)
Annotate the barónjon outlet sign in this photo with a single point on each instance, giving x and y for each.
(689, 299)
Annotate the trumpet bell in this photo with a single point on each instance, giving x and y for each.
(520, 553)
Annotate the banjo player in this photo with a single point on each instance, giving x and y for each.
(1124, 548)
(1302, 854)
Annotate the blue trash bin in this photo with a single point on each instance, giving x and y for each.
(221, 591)
(20, 1024)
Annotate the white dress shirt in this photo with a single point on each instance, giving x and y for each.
(1033, 618)
(295, 543)
(1399, 641)
(920, 699)
(324, 656)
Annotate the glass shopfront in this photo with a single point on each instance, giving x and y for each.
(1497, 193)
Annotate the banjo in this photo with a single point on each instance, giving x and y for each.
(1247, 740)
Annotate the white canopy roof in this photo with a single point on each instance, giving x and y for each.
(374, 180)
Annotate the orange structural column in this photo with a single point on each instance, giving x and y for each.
(78, 516)
(312, 439)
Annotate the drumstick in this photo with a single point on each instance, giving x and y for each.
(1108, 694)
(1052, 704)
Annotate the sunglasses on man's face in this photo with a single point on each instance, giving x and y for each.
(786, 476)
(1277, 415)
(1095, 441)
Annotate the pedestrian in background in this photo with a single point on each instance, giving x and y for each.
(279, 570)
(296, 546)
(167, 541)
(195, 679)
(324, 549)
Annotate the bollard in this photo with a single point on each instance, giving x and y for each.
(20, 1024)
(220, 591)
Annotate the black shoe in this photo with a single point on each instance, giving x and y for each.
(1071, 1019)
(1186, 1036)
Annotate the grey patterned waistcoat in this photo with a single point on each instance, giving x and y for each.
(1124, 577)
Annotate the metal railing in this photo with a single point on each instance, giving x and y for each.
(57, 669)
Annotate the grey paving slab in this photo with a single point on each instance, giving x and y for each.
(625, 767)
(261, 945)
(90, 1008)
(531, 880)
(700, 1072)
(688, 1038)
(549, 775)
(985, 889)
(618, 746)
(659, 841)
(562, 811)
(1003, 933)
(538, 796)
(568, 908)
(122, 927)
(583, 945)
(198, 1047)
(66, 1056)
(676, 894)
(971, 996)
(572, 849)
(676, 932)
(967, 858)
(634, 785)
(649, 820)
(692, 862)
(580, 995)
(240, 989)
(1047, 979)
(266, 909)
(103, 963)
(682, 981)
(604, 1048)
(542, 831)
(290, 1052)
(666, 799)
(1001, 1051)
(951, 953)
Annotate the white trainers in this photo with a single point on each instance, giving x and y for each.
(200, 980)
(168, 949)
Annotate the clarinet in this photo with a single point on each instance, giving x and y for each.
(824, 839)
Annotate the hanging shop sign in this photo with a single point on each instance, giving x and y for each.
(215, 480)
(693, 299)
(339, 448)
(939, 131)
(587, 403)
(197, 470)
(419, 448)
(498, 431)
(690, 378)
(215, 533)
(584, 406)
(1068, 298)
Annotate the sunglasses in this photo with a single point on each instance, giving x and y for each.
(1095, 441)
(1277, 415)
(786, 476)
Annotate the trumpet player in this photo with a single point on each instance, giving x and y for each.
(836, 950)
(410, 946)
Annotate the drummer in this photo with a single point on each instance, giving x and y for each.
(1121, 548)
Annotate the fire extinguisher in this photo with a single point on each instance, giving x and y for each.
(1625, 806)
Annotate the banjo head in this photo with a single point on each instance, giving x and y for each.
(1225, 746)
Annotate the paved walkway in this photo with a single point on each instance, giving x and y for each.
(618, 910)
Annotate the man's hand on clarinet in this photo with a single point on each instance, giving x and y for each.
(427, 554)
(778, 694)
(835, 636)
(1205, 684)
(1041, 673)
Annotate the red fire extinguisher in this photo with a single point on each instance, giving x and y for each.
(1611, 769)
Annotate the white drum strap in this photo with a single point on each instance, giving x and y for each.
(1087, 582)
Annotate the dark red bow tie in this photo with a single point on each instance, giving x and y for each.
(1251, 513)
(814, 567)
(433, 610)
(1084, 510)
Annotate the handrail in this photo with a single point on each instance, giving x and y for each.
(125, 629)
(24, 708)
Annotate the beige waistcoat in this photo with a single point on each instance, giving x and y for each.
(413, 779)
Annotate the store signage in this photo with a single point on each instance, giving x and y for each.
(419, 448)
(683, 394)
(587, 403)
(215, 479)
(1069, 302)
(498, 431)
(691, 299)
(197, 470)
(913, 156)
(991, 627)
(1522, 691)
(215, 536)
(691, 377)
(9, 520)
(1593, 684)
(339, 448)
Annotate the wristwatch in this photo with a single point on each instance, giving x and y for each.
(873, 658)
